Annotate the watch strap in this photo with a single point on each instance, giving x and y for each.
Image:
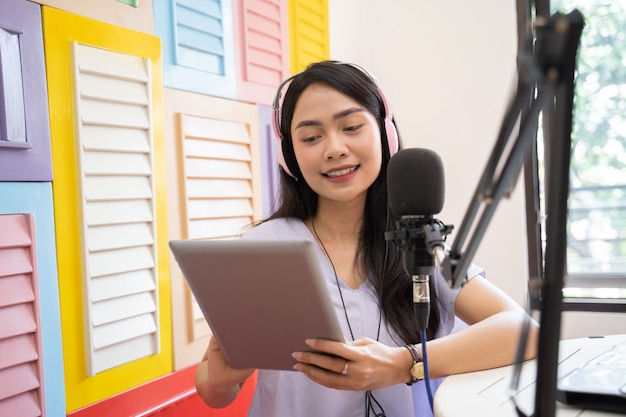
(417, 357)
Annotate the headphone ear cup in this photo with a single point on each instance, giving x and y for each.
(280, 157)
(276, 124)
(392, 136)
(390, 128)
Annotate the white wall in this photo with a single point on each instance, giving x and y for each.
(449, 69)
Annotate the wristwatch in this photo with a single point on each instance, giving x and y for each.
(417, 369)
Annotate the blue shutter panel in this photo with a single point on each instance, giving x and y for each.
(198, 49)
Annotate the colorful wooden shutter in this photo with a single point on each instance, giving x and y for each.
(139, 17)
(219, 183)
(269, 163)
(308, 29)
(110, 205)
(21, 391)
(24, 128)
(114, 143)
(34, 198)
(262, 48)
(198, 48)
(216, 191)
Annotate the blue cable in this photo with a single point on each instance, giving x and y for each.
(426, 377)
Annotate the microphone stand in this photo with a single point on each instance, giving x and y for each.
(421, 240)
(550, 69)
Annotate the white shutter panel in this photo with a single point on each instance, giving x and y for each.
(217, 164)
(218, 177)
(115, 160)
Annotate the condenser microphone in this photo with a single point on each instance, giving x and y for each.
(416, 189)
(415, 183)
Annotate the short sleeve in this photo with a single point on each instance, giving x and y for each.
(446, 298)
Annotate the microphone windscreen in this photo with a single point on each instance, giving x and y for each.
(415, 183)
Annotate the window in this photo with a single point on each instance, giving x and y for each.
(596, 224)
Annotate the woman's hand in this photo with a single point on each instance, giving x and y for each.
(217, 382)
(362, 365)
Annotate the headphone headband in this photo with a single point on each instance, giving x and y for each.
(390, 128)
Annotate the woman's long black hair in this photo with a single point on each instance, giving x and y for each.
(384, 261)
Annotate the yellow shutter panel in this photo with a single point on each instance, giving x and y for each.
(308, 32)
(105, 94)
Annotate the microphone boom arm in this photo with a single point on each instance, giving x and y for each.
(549, 68)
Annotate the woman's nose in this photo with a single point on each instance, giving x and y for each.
(335, 146)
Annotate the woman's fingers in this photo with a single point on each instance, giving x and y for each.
(331, 355)
(336, 364)
(364, 364)
(336, 378)
(343, 349)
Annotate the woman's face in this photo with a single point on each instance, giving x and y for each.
(336, 142)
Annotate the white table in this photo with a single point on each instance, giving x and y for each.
(486, 393)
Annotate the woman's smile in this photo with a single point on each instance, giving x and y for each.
(341, 172)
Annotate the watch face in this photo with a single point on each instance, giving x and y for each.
(417, 371)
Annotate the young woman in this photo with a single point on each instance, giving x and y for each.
(337, 134)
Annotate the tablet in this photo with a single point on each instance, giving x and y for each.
(261, 299)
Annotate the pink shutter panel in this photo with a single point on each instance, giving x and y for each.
(262, 45)
(20, 336)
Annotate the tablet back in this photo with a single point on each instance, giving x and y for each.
(262, 299)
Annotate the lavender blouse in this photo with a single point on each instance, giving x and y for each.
(289, 394)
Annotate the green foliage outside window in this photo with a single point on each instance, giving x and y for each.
(597, 198)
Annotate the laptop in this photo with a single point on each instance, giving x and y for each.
(261, 299)
(489, 393)
(599, 384)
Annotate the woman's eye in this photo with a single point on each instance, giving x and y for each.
(309, 138)
(352, 128)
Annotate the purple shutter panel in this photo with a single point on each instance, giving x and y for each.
(24, 120)
(269, 163)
